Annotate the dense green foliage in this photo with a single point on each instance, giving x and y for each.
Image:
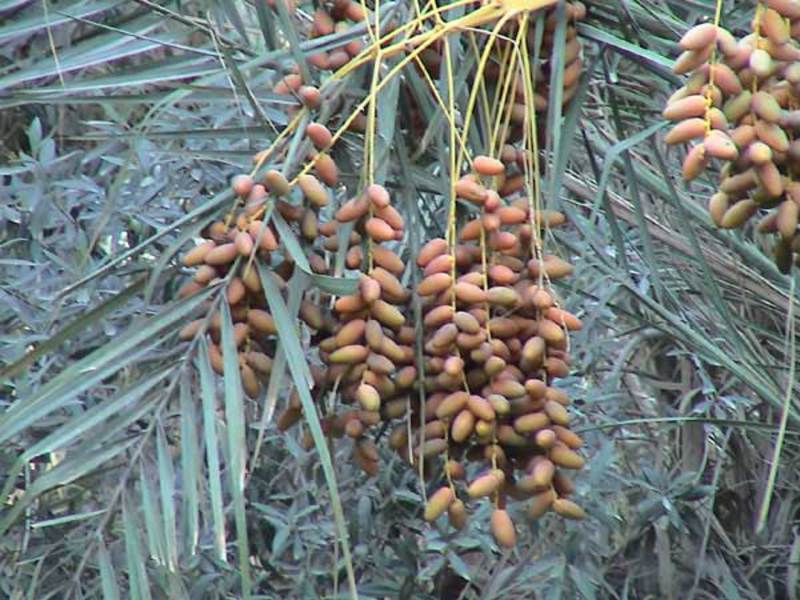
(121, 125)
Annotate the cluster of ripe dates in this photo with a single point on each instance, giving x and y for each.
(741, 106)
(473, 396)
(494, 336)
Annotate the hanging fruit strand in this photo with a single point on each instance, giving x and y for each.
(494, 337)
(741, 98)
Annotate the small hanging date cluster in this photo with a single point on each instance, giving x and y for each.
(741, 106)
